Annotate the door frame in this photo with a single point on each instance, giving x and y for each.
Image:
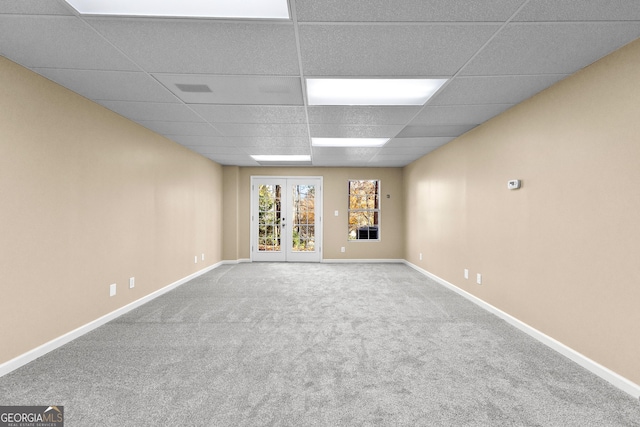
(318, 216)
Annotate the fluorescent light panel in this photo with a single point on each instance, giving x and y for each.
(371, 91)
(284, 158)
(250, 9)
(349, 142)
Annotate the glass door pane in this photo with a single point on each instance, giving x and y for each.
(269, 217)
(303, 216)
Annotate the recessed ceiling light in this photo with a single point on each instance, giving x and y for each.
(349, 142)
(250, 9)
(371, 91)
(279, 158)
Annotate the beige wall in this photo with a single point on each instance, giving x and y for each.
(89, 199)
(335, 198)
(562, 254)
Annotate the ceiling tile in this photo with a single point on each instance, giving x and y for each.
(57, 42)
(110, 85)
(550, 48)
(224, 151)
(323, 156)
(243, 141)
(250, 113)
(354, 131)
(278, 151)
(389, 50)
(356, 115)
(35, 7)
(253, 129)
(180, 128)
(211, 89)
(457, 114)
(204, 46)
(406, 10)
(152, 111)
(434, 131)
(418, 142)
(493, 90)
(586, 10)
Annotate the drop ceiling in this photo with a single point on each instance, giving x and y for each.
(229, 89)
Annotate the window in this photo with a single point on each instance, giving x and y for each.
(364, 210)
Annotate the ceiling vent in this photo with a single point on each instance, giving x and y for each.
(195, 88)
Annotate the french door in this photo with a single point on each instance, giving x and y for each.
(286, 219)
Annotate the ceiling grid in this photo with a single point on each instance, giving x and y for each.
(232, 88)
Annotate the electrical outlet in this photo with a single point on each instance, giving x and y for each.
(479, 279)
(342, 249)
(195, 259)
(202, 257)
(132, 282)
(335, 213)
(420, 256)
(466, 273)
(112, 289)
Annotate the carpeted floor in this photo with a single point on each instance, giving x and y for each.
(314, 345)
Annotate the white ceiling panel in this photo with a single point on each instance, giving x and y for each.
(170, 129)
(389, 50)
(243, 141)
(204, 46)
(493, 89)
(212, 89)
(434, 131)
(279, 151)
(354, 131)
(457, 114)
(251, 113)
(152, 111)
(110, 85)
(585, 10)
(259, 129)
(405, 11)
(35, 7)
(57, 42)
(210, 149)
(358, 115)
(343, 156)
(550, 48)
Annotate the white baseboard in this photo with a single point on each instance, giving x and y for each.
(594, 367)
(362, 261)
(31, 355)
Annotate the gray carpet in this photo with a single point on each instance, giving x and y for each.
(314, 345)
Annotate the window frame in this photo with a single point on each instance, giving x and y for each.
(377, 211)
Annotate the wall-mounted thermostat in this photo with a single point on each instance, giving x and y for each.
(514, 184)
